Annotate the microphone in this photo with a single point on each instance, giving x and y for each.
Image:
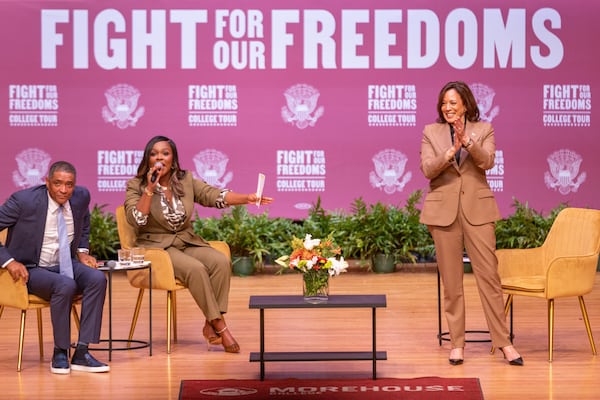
(158, 167)
(111, 264)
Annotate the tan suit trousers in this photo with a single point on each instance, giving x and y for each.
(480, 244)
(206, 272)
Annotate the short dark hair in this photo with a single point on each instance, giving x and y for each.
(466, 96)
(63, 166)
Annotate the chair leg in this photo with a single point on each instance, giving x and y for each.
(76, 317)
(586, 320)
(169, 318)
(21, 339)
(174, 315)
(136, 314)
(550, 329)
(1, 311)
(40, 332)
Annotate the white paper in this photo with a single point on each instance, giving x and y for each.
(259, 188)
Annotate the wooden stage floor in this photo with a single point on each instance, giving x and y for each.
(407, 330)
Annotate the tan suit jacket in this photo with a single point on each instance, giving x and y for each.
(157, 232)
(452, 185)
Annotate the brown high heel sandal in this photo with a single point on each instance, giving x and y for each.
(234, 347)
(211, 336)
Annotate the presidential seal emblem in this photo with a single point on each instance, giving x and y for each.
(32, 168)
(564, 167)
(389, 173)
(122, 109)
(301, 108)
(210, 167)
(484, 95)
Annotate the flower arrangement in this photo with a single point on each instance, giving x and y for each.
(315, 254)
(318, 260)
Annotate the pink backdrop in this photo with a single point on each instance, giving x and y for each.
(326, 98)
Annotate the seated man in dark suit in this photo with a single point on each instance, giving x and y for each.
(47, 226)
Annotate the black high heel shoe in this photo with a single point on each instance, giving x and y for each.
(515, 361)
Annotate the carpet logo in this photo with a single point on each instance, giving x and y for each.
(424, 388)
(228, 391)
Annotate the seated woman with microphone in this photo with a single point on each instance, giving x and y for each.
(160, 203)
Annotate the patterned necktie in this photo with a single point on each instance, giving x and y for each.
(64, 252)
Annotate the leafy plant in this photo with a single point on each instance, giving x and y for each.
(104, 235)
(525, 228)
(245, 233)
(387, 229)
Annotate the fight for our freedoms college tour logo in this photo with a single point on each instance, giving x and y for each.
(32, 105)
(301, 109)
(301, 170)
(212, 105)
(567, 105)
(122, 106)
(116, 167)
(392, 105)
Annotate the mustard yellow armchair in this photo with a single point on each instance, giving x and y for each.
(564, 266)
(163, 276)
(14, 294)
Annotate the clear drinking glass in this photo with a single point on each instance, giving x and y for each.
(124, 257)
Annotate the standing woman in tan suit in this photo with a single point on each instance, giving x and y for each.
(460, 211)
(160, 203)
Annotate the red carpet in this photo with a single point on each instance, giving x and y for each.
(429, 388)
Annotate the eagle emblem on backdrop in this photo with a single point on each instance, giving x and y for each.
(122, 106)
(389, 173)
(211, 166)
(32, 168)
(564, 167)
(484, 95)
(301, 109)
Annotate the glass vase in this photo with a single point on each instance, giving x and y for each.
(315, 288)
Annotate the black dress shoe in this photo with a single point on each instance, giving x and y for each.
(84, 361)
(60, 362)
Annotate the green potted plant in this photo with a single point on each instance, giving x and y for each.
(245, 233)
(525, 228)
(381, 234)
(104, 236)
(372, 235)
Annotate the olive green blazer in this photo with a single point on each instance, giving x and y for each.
(157, 232)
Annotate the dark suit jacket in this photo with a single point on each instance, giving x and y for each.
(24, 214)
(464, 184)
